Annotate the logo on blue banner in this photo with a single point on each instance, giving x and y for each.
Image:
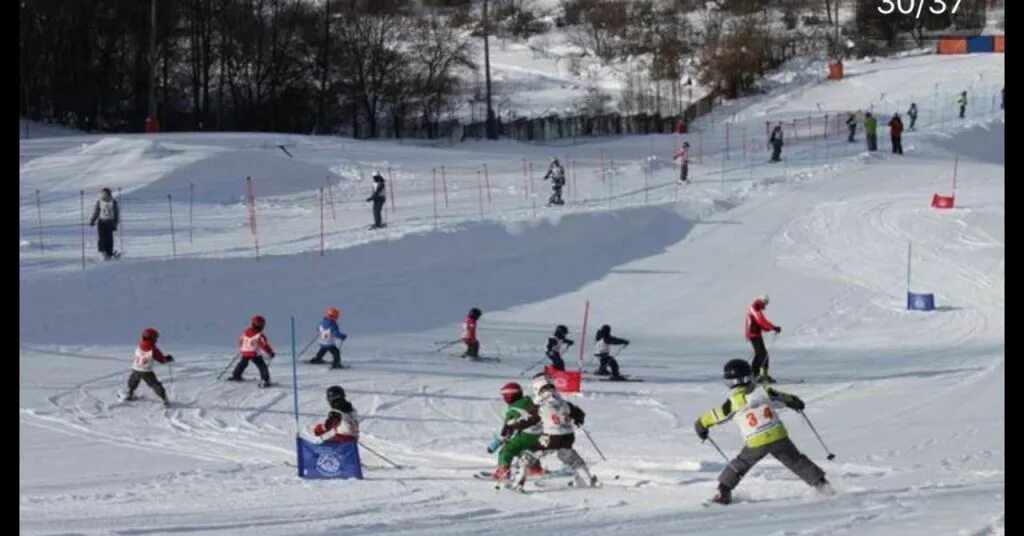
(920, 302)
(329, 459)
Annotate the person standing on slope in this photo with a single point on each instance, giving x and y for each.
(912, 114)
(554, 347)
(342, 423)
(605, 341)
(776, 142)
(142, 366)
(329, 337)
(683, 156)
(469, 334)
(557, 175)
(851, 123)
(106, 216)
(896, 133)
(753, 407)
(378, 198)
(757, 322)
(254, 345)
(871, 131)
(514, 442)
(962, 101)
(556, 417)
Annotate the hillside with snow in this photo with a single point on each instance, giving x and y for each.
(910, 402)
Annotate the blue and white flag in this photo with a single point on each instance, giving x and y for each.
(329, 459)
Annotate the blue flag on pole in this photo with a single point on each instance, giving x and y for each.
(920, 302)
(329, 460)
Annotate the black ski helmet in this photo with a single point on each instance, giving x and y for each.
(604, 331)
(561, 331)
(334, 393)
(737, 372)
(475, 312)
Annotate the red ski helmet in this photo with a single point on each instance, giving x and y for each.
(150, 334)
(259, 322)
(333, 313)
(510, 392)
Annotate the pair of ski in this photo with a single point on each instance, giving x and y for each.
(536, 483)
(442, 345)
(603, 378)
(123, 398)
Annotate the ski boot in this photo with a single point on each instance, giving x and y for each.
(167, 403)
(824, 487)
(336, 366)
(235, 379)
(316, 361)
(724, 495)
(502, 472)
(536, 470)
(264, 384)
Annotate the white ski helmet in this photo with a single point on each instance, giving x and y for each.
(538, 383)
(763, 299)
(546, 392)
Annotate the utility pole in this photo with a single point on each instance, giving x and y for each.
(492, 127)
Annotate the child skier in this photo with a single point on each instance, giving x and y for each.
(342, 423)
(557, 175)
(556, 417)
(330, 337)
(605, 340)
(756, 323)
(762, 431)
(142, 366)
(512, 443)
(254, 345)
(469, 334)
(554, 348)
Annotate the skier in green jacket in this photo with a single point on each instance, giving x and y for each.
(871, 131)
(513, 443)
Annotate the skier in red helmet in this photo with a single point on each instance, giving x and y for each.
(142, 366)
(254, 345)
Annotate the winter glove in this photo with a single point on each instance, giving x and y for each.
(702, 431)
(92, 224)
(318, 429)
(796, 403)
(342, 337)
(505, 431)
(169, 358)
(494, 445)
(568, 342)
(778, 329)
(580, 419)
(626, 343)
(272, 355)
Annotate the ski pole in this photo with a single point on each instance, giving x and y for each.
(586, 433)
(170, 378)
(306, 347)
(446, 344)
(232, 362)
(529, 368)
(377, 454)
(713, 444)
(830, 455)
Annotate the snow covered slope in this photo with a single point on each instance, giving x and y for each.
(910, 402)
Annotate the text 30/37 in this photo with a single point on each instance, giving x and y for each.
(916, 7)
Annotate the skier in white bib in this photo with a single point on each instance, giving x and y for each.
(753, 407)
(557, 418)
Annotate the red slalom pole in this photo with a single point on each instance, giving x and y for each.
(330, 192)
(583, 333)
(252, 217)
(391, 187)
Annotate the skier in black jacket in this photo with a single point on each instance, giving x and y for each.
(554, 348)
(378, 199)
(605, 340)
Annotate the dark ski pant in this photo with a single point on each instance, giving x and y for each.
(151, 381)
(897, 144)
(760, 356)
(472, 349)
(872, 142)
(853, 131)
(260, 364)
(556, 362)
(333, 350)
(913, 121)
(556, 196)
(783, 450)
(776, 152)
(684, 171)
(607, 361)
(962, 110)
(378, 206)
(105, 232)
